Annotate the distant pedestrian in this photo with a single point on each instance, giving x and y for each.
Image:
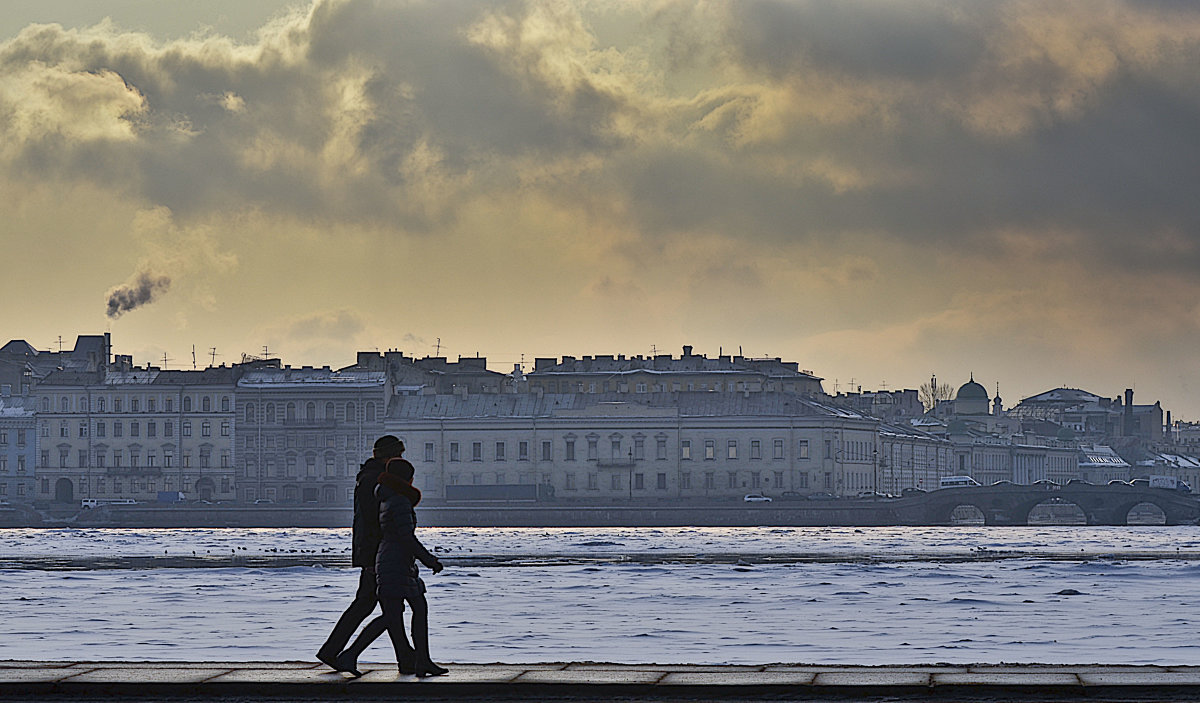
(365, 543)
(396, 564)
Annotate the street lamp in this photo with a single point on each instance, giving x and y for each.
(631, 475)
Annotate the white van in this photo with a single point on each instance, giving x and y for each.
(89, 503)
(957, 482)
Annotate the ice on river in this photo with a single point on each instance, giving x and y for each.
(1096, 609)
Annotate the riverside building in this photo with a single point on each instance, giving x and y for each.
(647, 447)
(302, 432)
(121, 431)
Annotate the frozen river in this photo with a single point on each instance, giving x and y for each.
(665, 595)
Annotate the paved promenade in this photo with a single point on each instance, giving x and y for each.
(302, 681)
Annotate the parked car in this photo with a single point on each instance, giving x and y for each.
(1118, 482)
(910, 491)
(756, 498)
(264, 501)
(821, 496)
(791, 495)
(1046, 484)
(1003, 483)
(1079, 482)
(1142, 482)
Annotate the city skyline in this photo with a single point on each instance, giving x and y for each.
(878, 191)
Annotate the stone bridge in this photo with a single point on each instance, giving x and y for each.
(1009, 504)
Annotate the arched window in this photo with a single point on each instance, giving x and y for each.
(250, 412)
(270, 413)
(83, 404)
(370, 412)
(329, 412)
(205, 404)
(224, 403)
(310, 411)
(291, 412)
(187, 403)
(351, 413)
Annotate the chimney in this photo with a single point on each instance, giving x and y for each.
(1127, 424)
(687, 350)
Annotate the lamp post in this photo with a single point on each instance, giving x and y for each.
(631, 475)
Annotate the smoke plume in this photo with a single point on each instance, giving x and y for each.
(144, 288)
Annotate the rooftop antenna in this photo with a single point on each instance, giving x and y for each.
(213, 352)
(165, 360)
(266, 353)
(437, 351)
(883, 385)
(60, 344)
(193, 357)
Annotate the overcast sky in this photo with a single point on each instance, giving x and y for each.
(877, 190)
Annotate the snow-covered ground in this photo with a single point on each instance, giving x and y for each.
(846, 611)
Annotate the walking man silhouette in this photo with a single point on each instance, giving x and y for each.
(365, 543)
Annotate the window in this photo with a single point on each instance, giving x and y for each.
(370, 412)
(660, 482)
(640, 388)
(615, 481)
(616, 449)
(639, 482)
(685, 480)
(206, 429)
(802, 480)
(429, 451)
(592, 481)
(660, 448)
(135, 429)
(732, 478)
(593, 449)
(476, 451)
(454, 451)
(169, 405)
(310, 411)
(187, 403)
(685, 449)
(134, 405)
(639, 448)
(546, 451)
(100, 405)
(755, 449)
(168, 429)
(62, 458)
(731, 449)
(185, 428)
(501, 450)
(289, 412)
(522, 451)
(569, 478)
(83, 458)
(99, 433)
(206, 404)
(755, 480)
(802, 449)
(351, 413)
(710, 449)
(151, 429)
(83, 428)
(225, 428)
(778, 448)
(778, 479)
(569, 450)
(224, 403)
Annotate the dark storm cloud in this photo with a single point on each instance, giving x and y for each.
(936, 123)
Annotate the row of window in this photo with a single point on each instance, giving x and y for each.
(617, 450)
(290, 467)
(133, 459)
(642, 387)
(136, 405)
(19, 436)
(288, 412)
(4, 489)
(137, 485)
(620, 481)
(135, 429)
(19, 463)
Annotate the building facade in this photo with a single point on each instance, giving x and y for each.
(126, 432)
(303, 432)
(668, 447)
(18, 449)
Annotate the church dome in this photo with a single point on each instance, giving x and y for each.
(972, 391)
